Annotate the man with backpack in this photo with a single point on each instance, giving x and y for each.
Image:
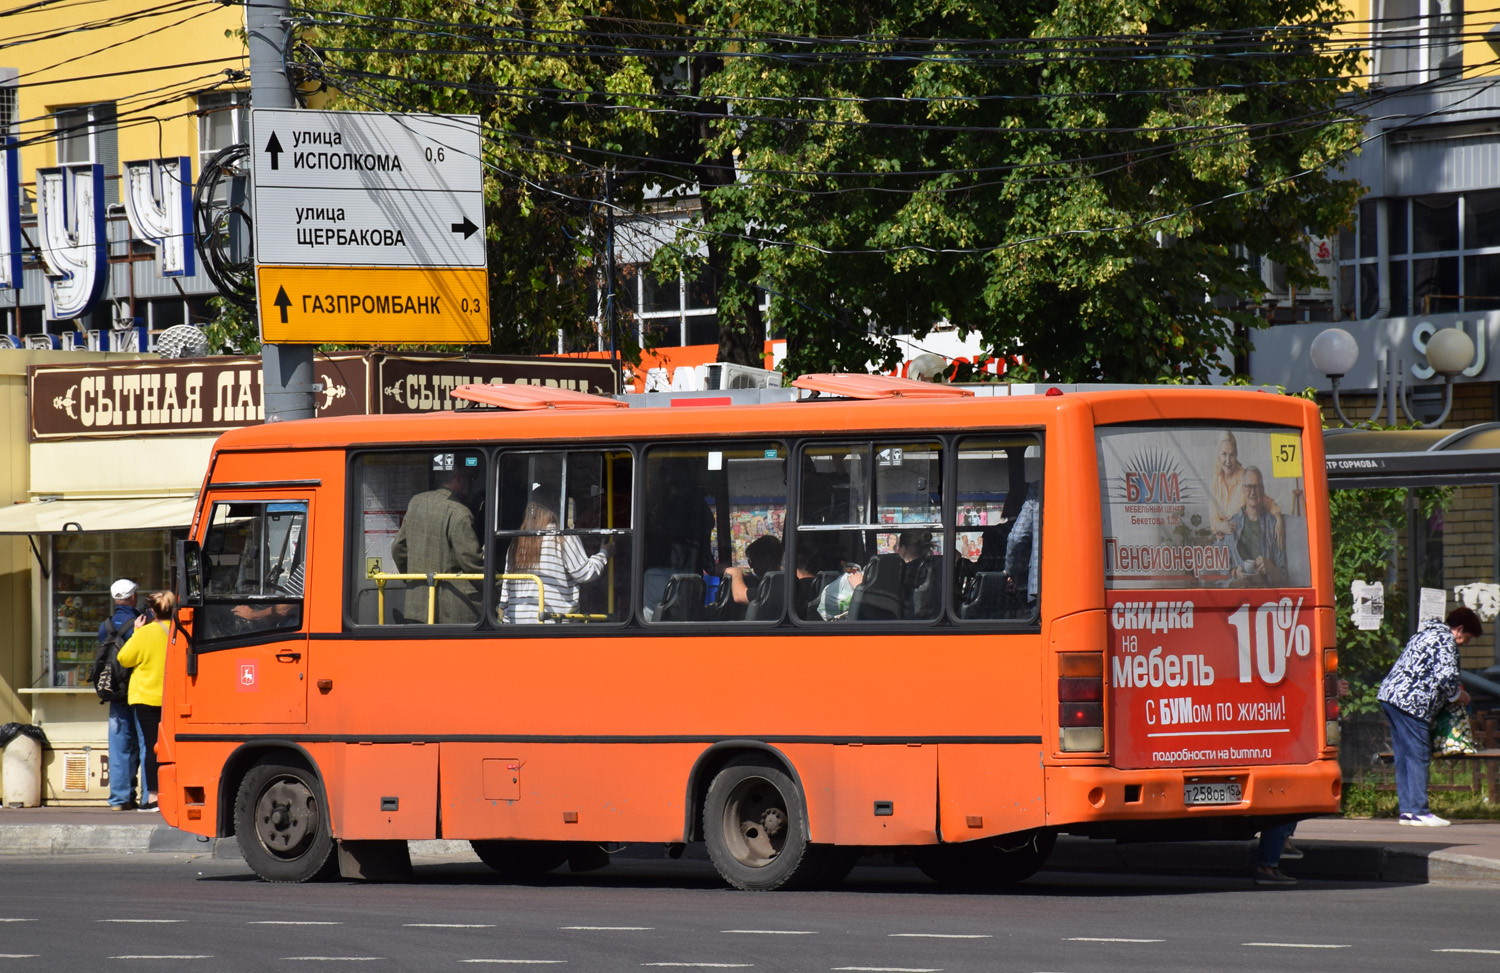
(112, 682)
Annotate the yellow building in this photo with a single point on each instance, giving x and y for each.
(108, 82)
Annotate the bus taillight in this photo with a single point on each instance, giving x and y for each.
(1080, 700)
(1332, 731)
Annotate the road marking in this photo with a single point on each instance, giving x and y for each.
(705, 966)
(942, 935)
(204, 956)
(1486, 952)
(152, 921)
(1303, 945)
(19, 955)
(892, 969)
(330, 959)
(291, 922)
(17, 920)
(537, 962)
(610, 928)
(449, 925)
(772, 932)
(1108, 939)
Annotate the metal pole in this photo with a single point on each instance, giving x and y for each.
(286, 370)
(609, 270)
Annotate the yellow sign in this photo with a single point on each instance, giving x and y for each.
(370, 305)
(1286, 454)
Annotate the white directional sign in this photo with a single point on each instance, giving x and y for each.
(367, 189)
(368, 227)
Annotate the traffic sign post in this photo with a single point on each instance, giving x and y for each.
(369, 227)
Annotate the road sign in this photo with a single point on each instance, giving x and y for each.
(312, 305)
(349, 190)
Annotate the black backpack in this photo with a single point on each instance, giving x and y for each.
(111, 680)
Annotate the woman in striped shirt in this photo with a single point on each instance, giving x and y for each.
(557, 559)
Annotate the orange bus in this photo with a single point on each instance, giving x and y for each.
(980, 621)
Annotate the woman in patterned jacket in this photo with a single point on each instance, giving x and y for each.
(1423, 679)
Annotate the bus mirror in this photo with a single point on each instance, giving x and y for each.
(189, 574)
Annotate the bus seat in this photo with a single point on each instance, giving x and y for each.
(820, 583)
(987, 596)
(920, 581)
(682, 601)
(725, 608)
(769, 599)
(878, 597)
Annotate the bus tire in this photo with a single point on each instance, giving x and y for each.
(753, 824)
(520, 860)
(282, 826)
(990, 863)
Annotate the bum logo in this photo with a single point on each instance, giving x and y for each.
(1157, 486)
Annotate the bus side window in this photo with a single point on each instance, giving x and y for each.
(869, 535)
(715, 516)
(997, 536)
(255, 563)
(563, 541)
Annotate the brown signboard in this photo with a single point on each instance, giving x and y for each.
(204, 395)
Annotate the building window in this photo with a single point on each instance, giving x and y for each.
(84, 565)
(85, 134)
(223, 120)
(9, 102)
(1418, 41)
(1443, 255)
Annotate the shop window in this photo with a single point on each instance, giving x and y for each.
(84, 565)
(715, 533)
(997, 537)
(563, 537)
(254, 560)
(870, 531)
(419, 559)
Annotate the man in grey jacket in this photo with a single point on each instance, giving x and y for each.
(1422, 681)
(437, 536)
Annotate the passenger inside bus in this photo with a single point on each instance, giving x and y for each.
(437, 537)
(557, 559)
(764, 555)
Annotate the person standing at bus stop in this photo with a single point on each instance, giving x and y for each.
(437, 537)
(1424, 678)
(146, 656)
(124, 745)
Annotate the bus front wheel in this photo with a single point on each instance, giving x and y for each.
(987, 864)
(753, 825)
(281, 824)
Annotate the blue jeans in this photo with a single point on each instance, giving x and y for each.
(124, 754)
(1411, 746)
(1271, 842)
(147, 722)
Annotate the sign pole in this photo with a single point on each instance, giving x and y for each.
(286, 370)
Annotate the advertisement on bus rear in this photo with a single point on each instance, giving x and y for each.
(1212, 678)
(1211, 659)
(1203, 507)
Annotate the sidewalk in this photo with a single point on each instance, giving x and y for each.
(1335, 848)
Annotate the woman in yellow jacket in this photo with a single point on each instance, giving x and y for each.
(146, 655)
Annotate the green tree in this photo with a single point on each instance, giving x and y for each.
(1067, 179)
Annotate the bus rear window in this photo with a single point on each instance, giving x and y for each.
(1203, 507)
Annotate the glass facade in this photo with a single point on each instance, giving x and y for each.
(84, 565)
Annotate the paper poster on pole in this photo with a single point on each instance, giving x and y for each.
(1369, 605)
(1432, 606)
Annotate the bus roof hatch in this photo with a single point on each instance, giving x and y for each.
(856, 386)
(530, 397)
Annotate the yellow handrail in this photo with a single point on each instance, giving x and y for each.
(380, 578)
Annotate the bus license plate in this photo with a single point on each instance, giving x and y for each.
(1216, 792)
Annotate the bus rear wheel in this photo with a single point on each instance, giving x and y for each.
(991, 863)
(281, 825)
(518, 860)
(753, 824)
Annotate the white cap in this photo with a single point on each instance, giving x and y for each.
(122, 589)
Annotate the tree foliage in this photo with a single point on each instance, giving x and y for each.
(1068, 179)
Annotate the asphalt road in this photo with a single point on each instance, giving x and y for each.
(177, 912)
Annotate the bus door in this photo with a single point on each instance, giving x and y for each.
(250, 642)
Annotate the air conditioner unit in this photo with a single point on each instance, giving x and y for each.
(725, 375)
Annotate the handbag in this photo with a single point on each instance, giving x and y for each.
(1451, 733)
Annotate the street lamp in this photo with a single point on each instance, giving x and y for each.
(1449, 351)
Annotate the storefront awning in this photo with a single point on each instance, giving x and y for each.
(1412, 457)
(59, 516)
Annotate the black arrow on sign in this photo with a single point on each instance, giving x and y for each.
(274, 147)
(282, 301)
(467, 228)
